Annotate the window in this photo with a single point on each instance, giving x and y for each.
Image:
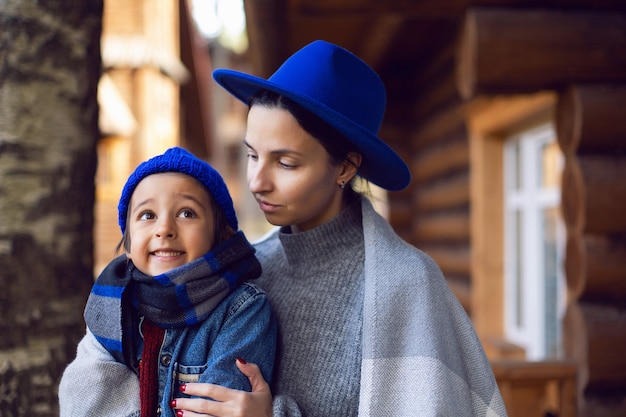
(534, 242)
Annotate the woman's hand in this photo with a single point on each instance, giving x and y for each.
(228, 402)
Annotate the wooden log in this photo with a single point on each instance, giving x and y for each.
(593, 335)
(400, 212)
(441, 160)
(395, 136)
(434, 87)
(453, 260)
(439, 93)
(443, 124)
(590, 118)
(594, 193)
(594, 267)
(516, 51)
(442, 227)
(450, 192)
(462, 291)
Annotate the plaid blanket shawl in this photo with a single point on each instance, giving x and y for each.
(421, 355)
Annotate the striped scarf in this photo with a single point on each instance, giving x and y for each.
(181, 297)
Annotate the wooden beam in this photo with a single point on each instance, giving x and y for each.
(423, 8)
(266, 30)
(379, 38)
(516, 51)
(430, 9)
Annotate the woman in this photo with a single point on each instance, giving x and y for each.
(367, 323)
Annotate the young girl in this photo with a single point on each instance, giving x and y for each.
(368, 325)
(176, 308)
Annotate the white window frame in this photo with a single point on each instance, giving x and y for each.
(530, 199)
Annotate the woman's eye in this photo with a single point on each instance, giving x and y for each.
(286, 165)
(187, 214)
(251, 156)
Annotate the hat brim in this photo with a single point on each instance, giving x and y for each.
(381, 165)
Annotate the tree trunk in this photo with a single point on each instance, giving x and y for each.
(49, 71)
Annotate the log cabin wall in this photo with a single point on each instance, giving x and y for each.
(580, 57)
(591, 129)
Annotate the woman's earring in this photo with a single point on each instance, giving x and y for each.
(342, 185)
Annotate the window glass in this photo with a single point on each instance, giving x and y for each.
(552, 331)
(518, 271)
(550, 165)
(534, 236)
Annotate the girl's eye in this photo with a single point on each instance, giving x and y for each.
(286, 165)
(252, 156)
(186, 214)
(146, 215)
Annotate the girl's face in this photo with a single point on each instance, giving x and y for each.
(170, 222)
(289, 172)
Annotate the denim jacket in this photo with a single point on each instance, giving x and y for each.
(242, 325)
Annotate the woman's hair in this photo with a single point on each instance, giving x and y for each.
(330, 138)
(221, 228)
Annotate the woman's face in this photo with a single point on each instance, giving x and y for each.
(289, 172)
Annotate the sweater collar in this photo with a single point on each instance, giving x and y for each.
(330, 239)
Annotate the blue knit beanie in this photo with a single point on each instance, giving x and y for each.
(179, 160)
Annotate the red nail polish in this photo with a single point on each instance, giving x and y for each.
(242, 361)
(179, 413)
(183, 388)
(173, 403)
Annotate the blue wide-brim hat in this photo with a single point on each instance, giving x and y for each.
(179, 160)
(340, 88)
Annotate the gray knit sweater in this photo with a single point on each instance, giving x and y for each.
(419, 353)
(315, 283)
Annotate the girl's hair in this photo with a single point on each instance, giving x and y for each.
(221, 228)
(330, 138)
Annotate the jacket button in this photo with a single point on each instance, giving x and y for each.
(166, 360)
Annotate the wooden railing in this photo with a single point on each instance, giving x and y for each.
(537, 389)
